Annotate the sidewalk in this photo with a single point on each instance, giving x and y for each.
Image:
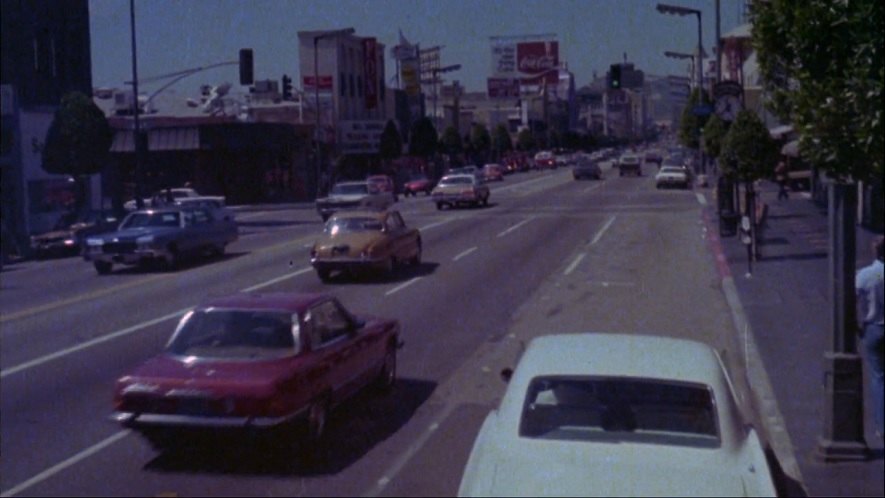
(787, 305)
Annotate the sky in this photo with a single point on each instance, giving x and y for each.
(173, 35)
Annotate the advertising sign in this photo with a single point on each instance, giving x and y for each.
(530, 61)
(370, 68)
(309, 83)
(411, 77)
(500, 88)
(360, 137)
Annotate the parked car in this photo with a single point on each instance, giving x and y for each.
(259, 362)
(630, 164)
(212, 203)
(493, 172)
(672, 176)
(163, 235)
(586, 168)
(351, 195)
(382, 183)
(545, 160)
(418, 183)
(365, 240)
(617, 415)
(458, 190)
(67, 237)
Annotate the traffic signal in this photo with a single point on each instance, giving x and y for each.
(287, 87)
(246, 66)
(614, 79)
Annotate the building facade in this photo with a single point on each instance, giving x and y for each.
(45, 55)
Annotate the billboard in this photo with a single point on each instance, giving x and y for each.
(528, 59)
(500, 88)
(360, 137)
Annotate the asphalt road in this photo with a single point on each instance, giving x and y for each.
(548, 254)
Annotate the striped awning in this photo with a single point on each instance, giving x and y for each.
(162, 139)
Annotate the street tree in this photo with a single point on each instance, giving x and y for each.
(691, 123)
(748, 151)
(78, 142)
(391, 146)
(822, 63)
(714, 134)
(525, 140)
(451, 143)
(501, 141)
(480, 141)
(424, 138)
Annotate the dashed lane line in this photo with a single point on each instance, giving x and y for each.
(464, 253)
(516, 226)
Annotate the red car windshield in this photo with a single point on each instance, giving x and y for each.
(235, 334)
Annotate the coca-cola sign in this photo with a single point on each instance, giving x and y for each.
(537, 57)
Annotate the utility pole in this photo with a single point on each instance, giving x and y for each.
(139, 168)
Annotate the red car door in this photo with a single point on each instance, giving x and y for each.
(339, 351)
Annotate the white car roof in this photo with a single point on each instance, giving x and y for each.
(458, 175)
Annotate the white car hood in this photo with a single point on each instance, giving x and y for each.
(610, 469)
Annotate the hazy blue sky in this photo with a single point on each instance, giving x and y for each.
(180, 34)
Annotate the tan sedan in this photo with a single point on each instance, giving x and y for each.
(373, 240)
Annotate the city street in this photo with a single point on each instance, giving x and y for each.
(548, 255)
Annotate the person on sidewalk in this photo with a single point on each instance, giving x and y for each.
(870, 304)
(781, 175)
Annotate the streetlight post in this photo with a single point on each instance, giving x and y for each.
(435, 72)
(685, 11)
(137, 142)
(316, 87)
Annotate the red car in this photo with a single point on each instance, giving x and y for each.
(382, 183)
(257, 361)
(418, 183)
(493, 172)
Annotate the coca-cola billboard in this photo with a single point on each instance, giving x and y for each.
(537, 57)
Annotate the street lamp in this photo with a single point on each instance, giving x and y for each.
(316, 86)
(685, 11)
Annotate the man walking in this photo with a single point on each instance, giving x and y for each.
(782, 177)
(870, 304)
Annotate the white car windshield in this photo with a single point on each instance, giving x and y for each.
(234, 334)
(606, 409)
(456, 180)
(671, 169)
(350, 189)
(162, 219)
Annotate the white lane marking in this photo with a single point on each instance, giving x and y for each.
(594, 187)
(701, 199)
(575, 263)
(438, 223)
(55, 469)
(405, 457)
(277, 280)
(602, 230)
(523, 184)
(514, 227)
(98, 340)
(402, 286)
(88, 344)
(465, 253)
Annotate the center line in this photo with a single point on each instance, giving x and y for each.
(514, 227)
(402, 286)
(594, 187)
(602, 230)
(438, 223)
(276, 280)
(465, 253)
(575, 263)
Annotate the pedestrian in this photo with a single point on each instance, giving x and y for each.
(780, 174)
(870, 304)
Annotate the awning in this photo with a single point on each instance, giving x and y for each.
(162, 139)
(791, 149)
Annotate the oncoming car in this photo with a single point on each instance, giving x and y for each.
(242, 361)
(617, 415)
